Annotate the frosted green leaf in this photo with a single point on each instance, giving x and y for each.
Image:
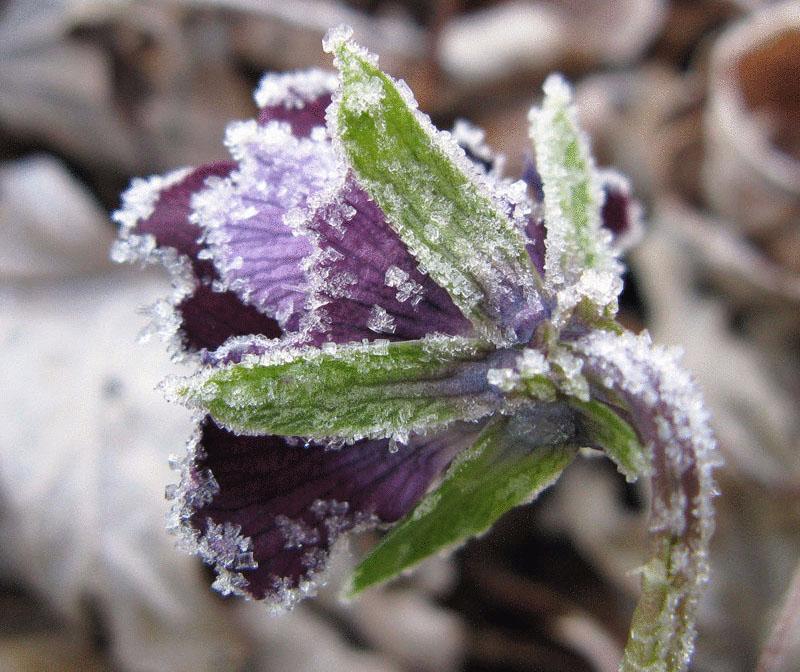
(580, 263)
(604, 428)
(503, 469)
(662, 629)
(354, 391)
(431, 195)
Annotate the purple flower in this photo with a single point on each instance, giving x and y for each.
(384, 324)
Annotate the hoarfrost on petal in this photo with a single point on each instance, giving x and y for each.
(253, 220)
(380, 321)
(293, 90)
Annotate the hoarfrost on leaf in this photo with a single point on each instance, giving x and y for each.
(580, 261)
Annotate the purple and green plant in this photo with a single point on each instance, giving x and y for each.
(388, 332)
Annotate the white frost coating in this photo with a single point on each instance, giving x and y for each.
(296, 532)
(364, 97)
(222, 546)
(566, 372)
(473, 139)
(668, 410)
(503, 379)
(292, 90)
(532, 363)
(579, 259)
(335, 37)
(138, 203)
(380, 321)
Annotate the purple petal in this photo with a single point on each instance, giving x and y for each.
(299, 98)
(169, 222)
(621, 213)
(366, 281)
(536, 233)
(252, 219)
(533, 179)
(155, 227)
(210, 318)
(265, 512)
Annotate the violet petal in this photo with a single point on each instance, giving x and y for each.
(299, 98)
(210, 318)
(169, 222)
(253, 218)
(366, 281)
(621, 212)
(156, 228)
(287, 504)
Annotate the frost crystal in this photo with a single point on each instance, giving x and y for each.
(294, 90)
(380, 321)
(406, 288)
(504, 379)
(365, 96)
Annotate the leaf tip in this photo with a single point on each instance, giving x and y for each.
(336, 38)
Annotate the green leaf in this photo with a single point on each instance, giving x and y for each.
(662, 628)
(430, 194)
(349, 392)
(503, 469)
(580, 263)
(602, 427)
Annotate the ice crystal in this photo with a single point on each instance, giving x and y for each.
(380, 321)
(293, 90)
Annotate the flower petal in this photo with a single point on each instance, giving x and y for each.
(621, 213)
(365, 280)
(298, 98)
(155, 228)
(209, 318)
(252, 218)
(266, 512)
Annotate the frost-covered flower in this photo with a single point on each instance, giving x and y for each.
(388, 331)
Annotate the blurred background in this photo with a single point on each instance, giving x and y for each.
(698, 101)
